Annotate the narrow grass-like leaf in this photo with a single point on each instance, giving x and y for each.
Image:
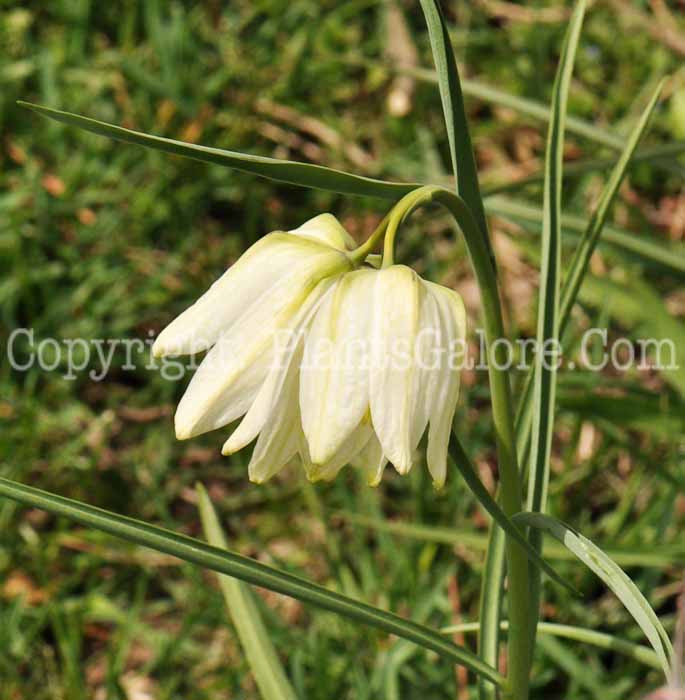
(302, 174)
(584, 251)
(468, 472)
(581, 260)
(544, 388)
(524, 105)
(458, 135)
(650, 154)
(541, 111)
(648, 555)
(490, 604)
(662, 155)
(667, 255)
(544, 391)
(197, 552)
(613, 576)
(601, 640)
(271, 680)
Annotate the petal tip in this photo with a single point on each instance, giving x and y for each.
(317, 457)
(183, 429)
(234, 444)
(402, 464)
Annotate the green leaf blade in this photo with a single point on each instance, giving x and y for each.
(662, 155)
(601, 640)
(649, 154)
(201, 554)
(651, 252)
(544, 388)
(468, 472)
(550, 273)
(613, 576)
(271, 680)
(291, 172)
(581, 258)
(454, 111)
(587, 245)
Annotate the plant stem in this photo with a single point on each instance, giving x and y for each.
(490, 606)
(502, 412)
(358, 255)
(601, 640)
(397, 216)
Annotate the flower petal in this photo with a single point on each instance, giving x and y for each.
(427, 373)
(326, 229)
(371, 460)
(280, 437)
(288, 344)
(273, 275)
(443, 398)
(227, 382)
(230, 377)
(397, 301)
(334, 386)
(348, 451)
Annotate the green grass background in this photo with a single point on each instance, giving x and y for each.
(103, 240)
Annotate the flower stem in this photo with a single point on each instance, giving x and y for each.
(358, 255)
(519, 652)
(397, 216)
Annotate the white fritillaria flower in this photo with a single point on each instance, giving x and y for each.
(269, 292)
(336, 365)
(377, 370)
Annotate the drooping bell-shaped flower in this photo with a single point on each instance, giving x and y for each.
(247, 320)
(378, 369)
(335, 364)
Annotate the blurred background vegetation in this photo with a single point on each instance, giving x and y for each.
(104, 240)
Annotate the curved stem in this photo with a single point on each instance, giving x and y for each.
(398, 215)
(358, 255)
(502, 413)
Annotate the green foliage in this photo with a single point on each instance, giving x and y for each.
(100, 239)
(614, 577)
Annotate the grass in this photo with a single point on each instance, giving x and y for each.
(102, 240)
